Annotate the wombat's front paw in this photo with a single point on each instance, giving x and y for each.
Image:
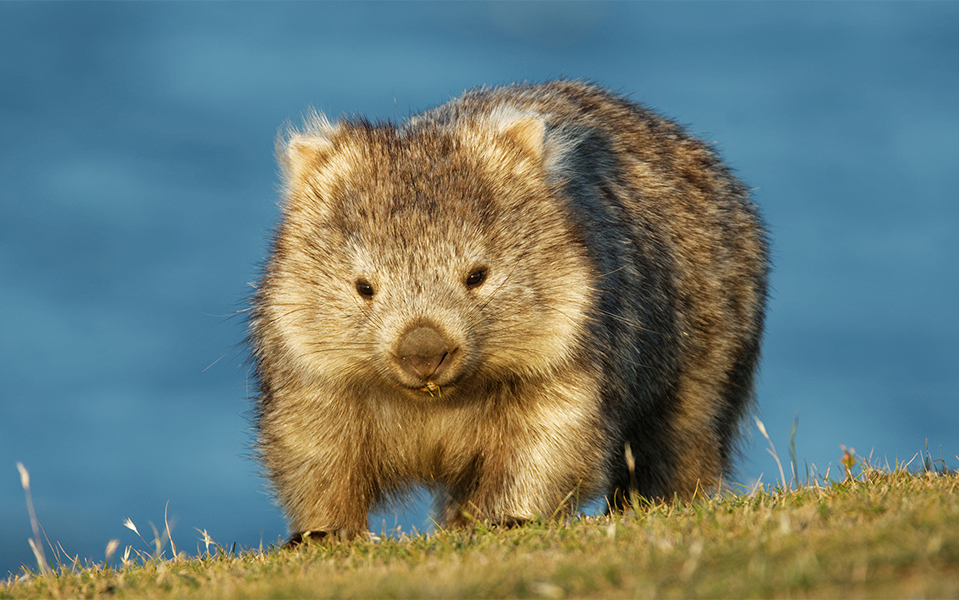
(298, 539)
(509, 522)
(335, 535)
(467, 520)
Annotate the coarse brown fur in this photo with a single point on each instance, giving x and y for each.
(493, 299)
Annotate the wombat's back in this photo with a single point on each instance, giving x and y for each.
(496, 298)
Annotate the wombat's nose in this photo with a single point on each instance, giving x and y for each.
(424, 353)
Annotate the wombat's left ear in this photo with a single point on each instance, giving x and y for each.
(528, 132)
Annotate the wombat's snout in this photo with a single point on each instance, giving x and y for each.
(424, 353)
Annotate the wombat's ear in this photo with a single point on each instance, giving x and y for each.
(298, 152)
(528, 132)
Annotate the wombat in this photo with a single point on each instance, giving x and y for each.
(530, 295)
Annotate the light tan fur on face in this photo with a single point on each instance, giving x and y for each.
(622, 281)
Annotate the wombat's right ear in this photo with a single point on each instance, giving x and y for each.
(299, 152)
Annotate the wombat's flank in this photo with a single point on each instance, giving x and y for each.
(492, 299)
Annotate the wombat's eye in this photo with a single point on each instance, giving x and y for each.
(363, 288)
(476, 278)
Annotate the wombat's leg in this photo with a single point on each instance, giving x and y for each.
(535, 457)
(507, 499)
(327, 495)
(531, 475)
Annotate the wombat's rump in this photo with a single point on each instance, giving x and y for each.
(493, 298)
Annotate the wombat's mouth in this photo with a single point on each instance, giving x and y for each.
(430, 389)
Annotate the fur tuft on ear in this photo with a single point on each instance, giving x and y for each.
(299, 152)
(529, 132)
(526, 130)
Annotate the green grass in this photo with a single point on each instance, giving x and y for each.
(878, 533)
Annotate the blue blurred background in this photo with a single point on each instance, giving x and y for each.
(138, 188)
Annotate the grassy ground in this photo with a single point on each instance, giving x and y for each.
(878, 533)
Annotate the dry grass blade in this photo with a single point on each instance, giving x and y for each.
(35, 543)
(772, 450)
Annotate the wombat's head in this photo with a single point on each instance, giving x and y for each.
(437, 255)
